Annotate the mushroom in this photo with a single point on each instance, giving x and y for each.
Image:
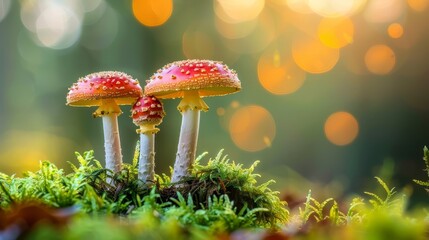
(147, 113)
(191, 80)
(106, 90)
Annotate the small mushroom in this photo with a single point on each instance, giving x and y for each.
(191, 80)
(147, 113)
(106, 90)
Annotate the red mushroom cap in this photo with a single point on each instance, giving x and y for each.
(91, 89)
(209, 78)
(147, 110)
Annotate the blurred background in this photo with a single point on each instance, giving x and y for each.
(334, 91)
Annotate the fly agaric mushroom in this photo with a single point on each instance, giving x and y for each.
(147, 113)
(106, 90)
(191, 80)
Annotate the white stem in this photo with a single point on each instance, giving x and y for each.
(147, 158)
(187, 144)
(112, 143)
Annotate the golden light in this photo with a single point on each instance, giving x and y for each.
(383, 11)
(341, 128)
(395, 30)
(313, 56)
(197, 44)
(235, 11)
(220, 111)
(235, 30)
(380, 59)
(152, 13)
(278, 75)
(258, 39)
(299, 6)
(200, 43)
(235, 104)
(332, 8)
(25, 149)
(418, 5)
(336, 32)
(252, 128)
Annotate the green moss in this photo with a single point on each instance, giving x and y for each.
(221, 196)
(224, 183)
(219, 199)
(426, 161)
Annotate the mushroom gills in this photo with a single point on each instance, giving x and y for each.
(192, 101)
(107, 107)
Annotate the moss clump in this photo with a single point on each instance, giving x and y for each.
(221, 196)
(220, 200)
(221, 181)
(374, 216)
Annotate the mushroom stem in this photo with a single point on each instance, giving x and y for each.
(112, 143)
(146, 166)
(187, 144)
(190, 107)
(109, 112)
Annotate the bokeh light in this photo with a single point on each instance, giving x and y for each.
(341, 128)
(94, 11)
(332, 8)
(235, 11)
(418, 5)
(90, 6)
(395, 30)
(325, 8)
(28, 148)
(380, 59)
(384, 11)
(252, 128)
(30, 10)
(263, 33)
(4, 8)
(313, 56)
(336, 32)
(102, 32)
(54, 24)
(279, 75)
(57, 27)
(235, 104)
(299, 6)
(220, 111)
(152, 13)
(197, 44)
(235, 30)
